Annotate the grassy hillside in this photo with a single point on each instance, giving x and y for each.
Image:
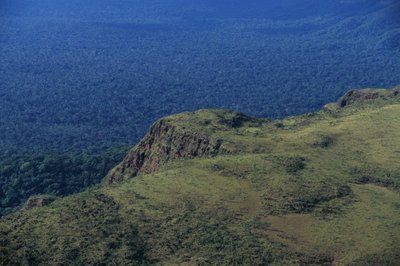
(317, 189)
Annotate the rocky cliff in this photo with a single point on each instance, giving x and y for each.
(186, 135)
(355, 96)
(164, 142)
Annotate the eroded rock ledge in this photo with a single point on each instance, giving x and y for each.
(355, 96)
(164, 142)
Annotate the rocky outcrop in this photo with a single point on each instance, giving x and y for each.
(355, 96)
(39, 201)
(165, 142)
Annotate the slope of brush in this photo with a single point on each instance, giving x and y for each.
(321, 188)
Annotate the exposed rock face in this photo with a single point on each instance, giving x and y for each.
(163, 143)
(39, 201)
(354, 96)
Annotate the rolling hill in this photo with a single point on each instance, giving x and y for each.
(216, 187)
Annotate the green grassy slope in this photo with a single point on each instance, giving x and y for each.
(317, 189)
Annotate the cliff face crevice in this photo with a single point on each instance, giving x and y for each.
(164, 143)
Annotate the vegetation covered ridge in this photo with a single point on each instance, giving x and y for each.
(355, 96)
(317, 189)
(190, 134)
(185, 135)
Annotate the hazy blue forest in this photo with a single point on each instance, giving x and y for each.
(81, 81)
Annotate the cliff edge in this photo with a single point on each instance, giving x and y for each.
(186, 135)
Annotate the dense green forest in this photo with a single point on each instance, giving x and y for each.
(22, 176)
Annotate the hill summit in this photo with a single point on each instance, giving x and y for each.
(186, 135)
(216, 187)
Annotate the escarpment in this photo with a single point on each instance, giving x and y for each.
(165, 142)
(355, 96)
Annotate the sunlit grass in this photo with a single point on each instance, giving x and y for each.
(317, 189)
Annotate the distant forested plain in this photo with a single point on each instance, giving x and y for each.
(83, 77)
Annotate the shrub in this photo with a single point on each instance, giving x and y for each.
(292, 164)
(324, 141)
